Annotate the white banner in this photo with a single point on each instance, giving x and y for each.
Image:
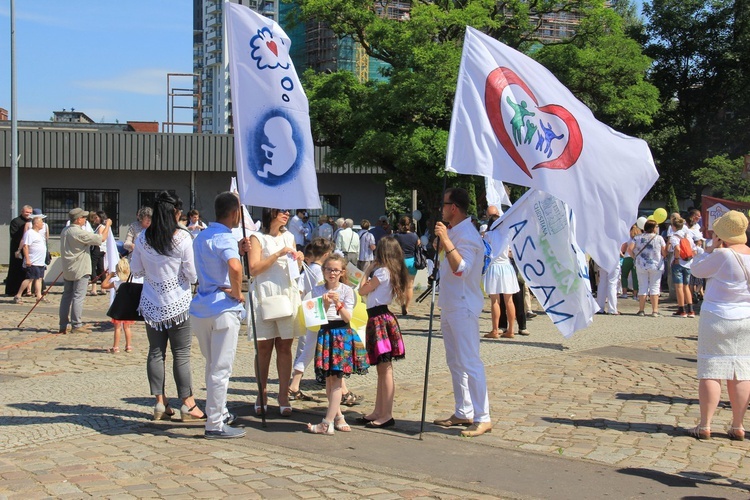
(514, 121)
(272, 137)
(547, 255)
(496, 194)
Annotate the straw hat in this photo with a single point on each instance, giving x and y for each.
(731, 227)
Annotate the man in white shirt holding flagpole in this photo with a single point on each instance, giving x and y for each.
(461, 301)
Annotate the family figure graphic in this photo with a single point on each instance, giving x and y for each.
(544, 137)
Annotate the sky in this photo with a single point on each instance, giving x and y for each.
(106, 58)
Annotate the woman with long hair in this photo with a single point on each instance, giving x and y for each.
(385, 280)
(409, 242)
(276, 298)
(163, 256)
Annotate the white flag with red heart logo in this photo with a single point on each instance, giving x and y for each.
(272, 136)
(515, 122)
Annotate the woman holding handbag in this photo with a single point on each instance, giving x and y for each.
(163, 256)
(724, 325)
(277, 299)
(648, 251)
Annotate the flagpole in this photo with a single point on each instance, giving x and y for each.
(252, 322)
(435, 283)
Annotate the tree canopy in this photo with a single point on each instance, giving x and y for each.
(401, 124)
(701, 63)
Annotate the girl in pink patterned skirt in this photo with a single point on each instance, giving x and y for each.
(385, 280)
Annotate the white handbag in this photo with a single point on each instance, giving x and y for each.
(275, 307)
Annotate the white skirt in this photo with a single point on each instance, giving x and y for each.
(723, 347)
(500, 278)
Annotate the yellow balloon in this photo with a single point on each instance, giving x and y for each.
(650, 217)
(359, 314)
(660, 215)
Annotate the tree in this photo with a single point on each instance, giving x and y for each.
(606, 70)
(700, 49)
(401, 124)
(722, 177)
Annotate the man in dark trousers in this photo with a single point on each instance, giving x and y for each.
(15, 265)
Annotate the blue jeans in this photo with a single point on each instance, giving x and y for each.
(680, 275)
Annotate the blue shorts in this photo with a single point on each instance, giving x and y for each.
(35, 272)
(409, 261)
(680, 275)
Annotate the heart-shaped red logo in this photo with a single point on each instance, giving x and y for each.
(560, 148)
(273, 48)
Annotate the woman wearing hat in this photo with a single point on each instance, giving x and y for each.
(724, 327)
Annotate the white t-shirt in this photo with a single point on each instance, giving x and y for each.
(195, 229)
(346, 295)
(37, 246)
(383, 294)
(312, 277)
(674, 242)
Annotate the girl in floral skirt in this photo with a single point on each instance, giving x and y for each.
(385, 280)
(336, 355)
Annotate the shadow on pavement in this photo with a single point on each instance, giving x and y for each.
(99, 350)
(684, 479)
(655, 398)
(605, 423)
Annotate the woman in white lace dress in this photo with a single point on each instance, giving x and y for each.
(163, 256)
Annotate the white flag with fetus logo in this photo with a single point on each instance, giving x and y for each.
(272, 136)
(514, 121)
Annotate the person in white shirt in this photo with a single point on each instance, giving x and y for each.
(723, 343)
(347, 241)
(297, 228)
(34, 248)
(693, 225)
(195, 225)
(324, 229)
(366, 245)
(681, 268)
(461, 302)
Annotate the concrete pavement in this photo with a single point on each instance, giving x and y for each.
(593, 416)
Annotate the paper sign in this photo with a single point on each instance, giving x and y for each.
(354, 274)
(314, 312)
(293, 267)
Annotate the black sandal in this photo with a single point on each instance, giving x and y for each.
(299, 396)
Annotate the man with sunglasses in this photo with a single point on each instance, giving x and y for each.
(461, 301)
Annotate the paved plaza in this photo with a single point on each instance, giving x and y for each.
(598, 415)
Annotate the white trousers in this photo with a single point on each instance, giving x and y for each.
(607, 289)
(305, 350)
(461, 336)
(217, 337)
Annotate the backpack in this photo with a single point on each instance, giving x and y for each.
(420, 257)
(686, 249)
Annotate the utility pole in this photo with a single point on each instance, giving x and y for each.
(13, 116)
